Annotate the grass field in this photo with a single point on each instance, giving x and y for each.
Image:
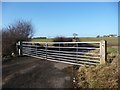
(112, 42)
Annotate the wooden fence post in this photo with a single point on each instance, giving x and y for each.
(103, 51)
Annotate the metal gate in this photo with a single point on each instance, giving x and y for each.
(77, 53)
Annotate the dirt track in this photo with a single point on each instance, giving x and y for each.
(27, 72)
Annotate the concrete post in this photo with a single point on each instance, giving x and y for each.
(103, 51)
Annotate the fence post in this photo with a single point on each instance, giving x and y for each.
(36, 49)
(103, 51)
(59, 51)
(46, 50)
(20, 48)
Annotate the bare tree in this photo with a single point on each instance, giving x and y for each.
(20, 31)
(75, 34)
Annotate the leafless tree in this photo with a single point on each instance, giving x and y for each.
(75, 34)
(19, 31)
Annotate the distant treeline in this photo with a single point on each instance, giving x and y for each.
(40, 38)
(110, 35)
(53, 38)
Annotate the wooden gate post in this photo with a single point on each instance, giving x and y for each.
(103, 51)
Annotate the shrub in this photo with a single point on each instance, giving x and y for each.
(20, 31)
(62, 39)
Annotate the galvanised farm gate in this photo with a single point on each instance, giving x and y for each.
(77, 53)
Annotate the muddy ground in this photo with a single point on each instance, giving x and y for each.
(28, 72)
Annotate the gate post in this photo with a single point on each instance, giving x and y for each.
(20, 48)
(46, 49)
(103, 51)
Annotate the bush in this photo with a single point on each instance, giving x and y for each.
(62, 39)
(20, 31)
(40, 38)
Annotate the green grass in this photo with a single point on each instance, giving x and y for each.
(112, 49)
(110, 40)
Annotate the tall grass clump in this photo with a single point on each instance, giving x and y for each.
(101, 76)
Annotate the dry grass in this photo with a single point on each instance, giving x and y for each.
(102, 76)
